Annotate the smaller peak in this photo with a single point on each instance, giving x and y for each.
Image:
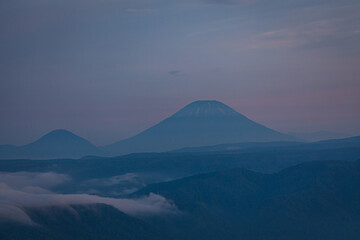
(59, 134)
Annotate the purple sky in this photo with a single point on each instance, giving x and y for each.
(107, 69)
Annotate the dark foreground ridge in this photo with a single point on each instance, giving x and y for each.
(313, 200)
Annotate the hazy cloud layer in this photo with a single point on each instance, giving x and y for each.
(115, 180)
(231, 2)
(114, 186)
(174, 72)
(22, 194)
(21, 180)
(140, 10)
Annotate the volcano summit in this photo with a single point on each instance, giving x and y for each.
(199, 123)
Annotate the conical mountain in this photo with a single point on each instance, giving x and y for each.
(59, 143)
(200, 123)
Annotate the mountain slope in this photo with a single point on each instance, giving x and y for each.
(56, 144)
(314, 200)
(198, 124)
(80, 222)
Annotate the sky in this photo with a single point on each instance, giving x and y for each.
(108, 69)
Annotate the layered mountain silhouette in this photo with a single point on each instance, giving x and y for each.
(314, 200)
(59, 143)
(200, 123)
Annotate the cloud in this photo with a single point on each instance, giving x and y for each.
(33, 179)
(140, 10)
(21, 195)
(120, 185)
(115, 180)
(308, 34)
(174, 72)
(231, 2)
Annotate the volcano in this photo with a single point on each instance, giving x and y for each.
(59, 143)
(199, 123)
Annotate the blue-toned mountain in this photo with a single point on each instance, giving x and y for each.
(200, 123)
(59, 143)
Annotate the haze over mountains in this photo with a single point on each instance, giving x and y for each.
(320, 135)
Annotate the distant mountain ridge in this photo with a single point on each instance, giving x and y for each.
(199, 123)
(236, 147)
(59, 143)
(319, 136)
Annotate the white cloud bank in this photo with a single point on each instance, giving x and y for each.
(115, 180)
(18, 193)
